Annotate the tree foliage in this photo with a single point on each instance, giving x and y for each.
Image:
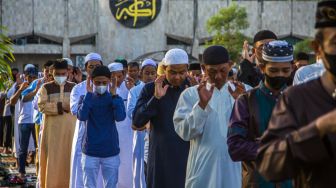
(6, 57)
(303, 46)
(226, 27)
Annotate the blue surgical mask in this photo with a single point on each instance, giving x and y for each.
(100, 89)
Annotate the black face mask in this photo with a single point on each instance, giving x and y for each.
(332, 62)
(276, 82)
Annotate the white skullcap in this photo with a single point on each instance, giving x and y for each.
(92, 56)
(148, 62)
(176, 57)
(68, 61)
(29, 66)
(113, 67)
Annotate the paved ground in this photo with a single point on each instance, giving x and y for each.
(8, 171)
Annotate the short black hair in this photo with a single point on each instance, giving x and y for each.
(15, 69)
(60, 64)
(101, 71)
(264, 34)
(302, 56)
(122, 61)
(133, 64)
(48, 63)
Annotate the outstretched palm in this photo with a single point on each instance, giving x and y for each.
(113, 86)
(204, 94)
(239, 89)
(160, 90)
(89, 87)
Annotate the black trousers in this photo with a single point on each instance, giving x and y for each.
(7, 131)
(2, 122)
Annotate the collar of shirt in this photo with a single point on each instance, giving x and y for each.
(138, 82)
(182, 86)
(268, 92)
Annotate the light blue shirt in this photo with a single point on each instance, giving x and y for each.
(37, 116)
(139, 143)
(133, 98)
(309, 72)
(27, 112)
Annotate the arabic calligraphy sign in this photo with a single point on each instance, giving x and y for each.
(135, 13)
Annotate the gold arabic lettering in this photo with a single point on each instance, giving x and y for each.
(139, 8)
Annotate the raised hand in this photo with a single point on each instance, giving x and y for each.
(23, 86)
(192, 80)
(39, 83)
(18, 79)
(160, 91)
(78, 75)
(89, 87)
(113, 86)
(204, 94)
(70, 77)
(246, 52)
(239, 89)
(130, 83)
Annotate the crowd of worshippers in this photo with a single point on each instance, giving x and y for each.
(267, 121)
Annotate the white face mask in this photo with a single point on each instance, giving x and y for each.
(100, 89)
(60, 79)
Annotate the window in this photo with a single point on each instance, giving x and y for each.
(91, 40)
(33, 39)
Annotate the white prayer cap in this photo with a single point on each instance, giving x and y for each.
(92, 56)
(148, 62)
(113, 67)
(68, 61)
(176, 57)
(29, 66)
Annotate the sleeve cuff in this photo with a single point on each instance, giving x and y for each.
(307, 145)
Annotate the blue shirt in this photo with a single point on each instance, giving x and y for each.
(133, 98)
(309, 72)
(37, 116)
(100, 113)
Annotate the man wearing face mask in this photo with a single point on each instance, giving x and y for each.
(31, 94)
(249, 72)
(300, 141)
(92, 60)
(101, 110)
(252, 111)
(58, 128)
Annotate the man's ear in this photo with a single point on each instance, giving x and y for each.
(262, 67)
(253, 50)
